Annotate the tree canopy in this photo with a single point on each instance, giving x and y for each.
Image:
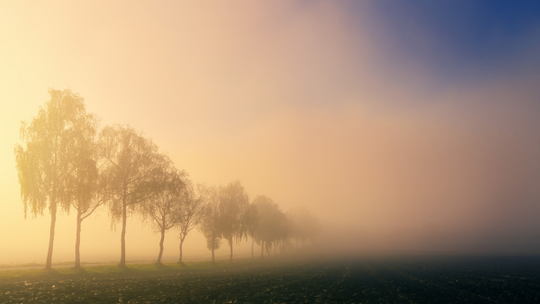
(66, 162)
(133, 164)
(45, 161)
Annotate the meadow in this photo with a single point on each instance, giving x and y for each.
(286, 280)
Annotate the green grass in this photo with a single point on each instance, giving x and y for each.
(135, 269)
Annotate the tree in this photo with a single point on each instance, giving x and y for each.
(209, 225)
(232, 204)
(85, 183)
(250, 220)
(132, 164)
(42, 165)
(190, 211)
(162, 208)
(272, 225)
(303, 225)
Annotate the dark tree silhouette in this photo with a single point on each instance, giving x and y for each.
(233, 202)
(132, 164)
(162, 208)
(43, 164)
(210, 221)
(190, 211)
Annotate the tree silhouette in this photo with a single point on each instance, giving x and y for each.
(210, 221)
(162, 208)
(232, 205)
(250, 221)
(272, 225)
(44, 163)
(85, 183)
(132, 164)
(190, 211)
(303, 225)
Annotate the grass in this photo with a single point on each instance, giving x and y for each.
(133, 269)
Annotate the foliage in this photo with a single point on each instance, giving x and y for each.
(133, 164)
(272, 223)
(190, 210)
(67, 162)
(209, 225)
(45, 165)
(303, 225)
(232, 204)
(162, 209)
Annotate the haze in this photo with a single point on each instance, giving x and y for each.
(410, 129)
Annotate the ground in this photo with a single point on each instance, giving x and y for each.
(290, 280)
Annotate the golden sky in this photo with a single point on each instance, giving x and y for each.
(310, 103)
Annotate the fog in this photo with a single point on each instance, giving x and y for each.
(316, 104)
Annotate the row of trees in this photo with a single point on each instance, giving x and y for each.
(67, 163)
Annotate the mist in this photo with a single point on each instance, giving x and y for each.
(397, 140)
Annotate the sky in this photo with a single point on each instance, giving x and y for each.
(405, 127)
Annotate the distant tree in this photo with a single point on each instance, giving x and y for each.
(43, 163)
(250, 221)
(303, 225)
(162, 208)
(272, 225)
(209, 225)
(233, 202)
(132, 164)
(190, 211)
(83, 178)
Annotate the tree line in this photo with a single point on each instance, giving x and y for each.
(69, 163)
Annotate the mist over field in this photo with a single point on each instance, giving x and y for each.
(403, 128)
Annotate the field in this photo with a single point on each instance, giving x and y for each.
(287, 280)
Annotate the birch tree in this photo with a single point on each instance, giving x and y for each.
(233, 202)
(162, 209)
(43, 162)
(210, 221)
(132, 163)
(190, 211)
(272, 225)
(250, 220)
(86, 184)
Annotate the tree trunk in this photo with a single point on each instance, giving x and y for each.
(78, 240)
(182, 238)
(262, 249)
(231, 245)
(252, 244)
(213, 259)
(161, 240)
(213, 245)
(123, 235)
(48, 264)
